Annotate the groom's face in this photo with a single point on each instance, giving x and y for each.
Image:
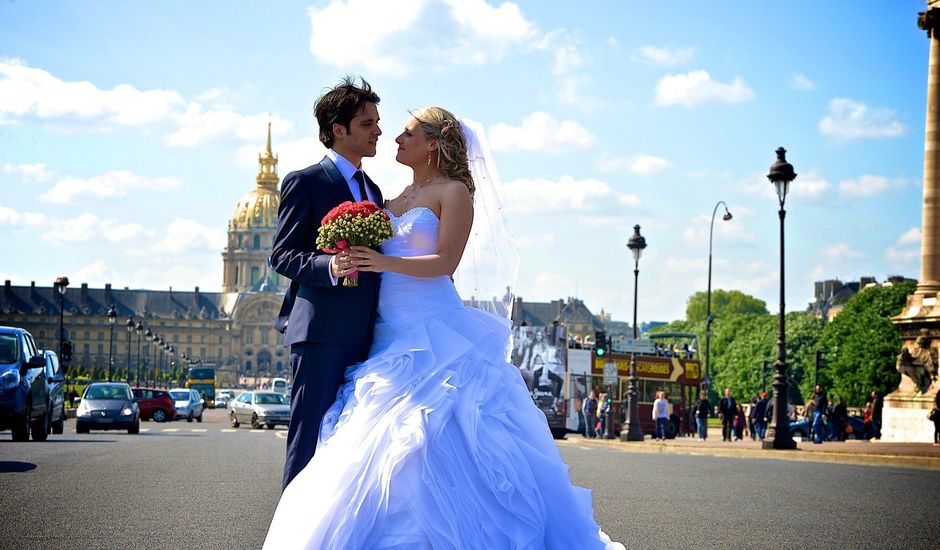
(363, 134)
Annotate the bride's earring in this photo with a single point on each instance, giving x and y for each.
(429, 158)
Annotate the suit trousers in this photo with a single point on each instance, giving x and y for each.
(318, 371)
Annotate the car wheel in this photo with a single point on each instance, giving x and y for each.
(190, 417)
(58, 426)
(40, 428)
(81, 428)
(254, 421)
(159, 415)
(20, 427)
(199, 418)
(135, 429)
(235, 422)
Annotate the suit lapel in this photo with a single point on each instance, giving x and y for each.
(339, 186)
(376, 192)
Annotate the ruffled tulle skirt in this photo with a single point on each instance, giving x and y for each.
(434, 442)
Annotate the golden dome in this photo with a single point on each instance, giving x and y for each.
(257, 209)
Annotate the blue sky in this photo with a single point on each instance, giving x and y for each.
(129, 130)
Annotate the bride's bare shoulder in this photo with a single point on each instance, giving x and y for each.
(455, 190)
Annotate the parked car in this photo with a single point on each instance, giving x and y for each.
(221, 401)
(31, 393)
(189, 404)
(155, 404)
(260, 408)
(107, 406)
(803, 427)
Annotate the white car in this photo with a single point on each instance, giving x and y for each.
(260, 408)
(189, 404)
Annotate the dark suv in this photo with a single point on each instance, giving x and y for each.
(31, 389)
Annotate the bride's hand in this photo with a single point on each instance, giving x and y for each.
(367, 259)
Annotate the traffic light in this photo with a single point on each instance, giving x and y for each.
(66, 350)
(600, 343)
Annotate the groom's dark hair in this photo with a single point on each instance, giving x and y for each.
(340, 104)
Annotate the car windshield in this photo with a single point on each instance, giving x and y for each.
(106, 392)
(180, 395)
(8, 348)
(269, 399)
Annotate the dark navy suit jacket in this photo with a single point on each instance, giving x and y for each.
(313, 309)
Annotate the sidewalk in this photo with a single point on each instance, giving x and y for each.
(872, 452)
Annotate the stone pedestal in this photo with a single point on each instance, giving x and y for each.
(904, 417)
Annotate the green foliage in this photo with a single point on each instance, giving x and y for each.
(725, 303)
(863, 344)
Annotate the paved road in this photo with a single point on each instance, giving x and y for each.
(206, 486)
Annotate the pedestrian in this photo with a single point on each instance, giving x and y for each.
(868, 430)
(935, 416)
(760, 416)
(820, 407)
(728, 409)
(661, 415)
(740, 423)
(589, 408)
(703, 409)
(752, 418)
(877, 404)
(838, 419)
(602, 406)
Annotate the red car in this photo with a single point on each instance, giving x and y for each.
(155, 404)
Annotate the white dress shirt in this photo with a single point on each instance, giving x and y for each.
(347, 170)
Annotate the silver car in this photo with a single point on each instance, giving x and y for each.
(189, 404)
(260, 408)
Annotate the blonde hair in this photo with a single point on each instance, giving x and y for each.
(442, 126)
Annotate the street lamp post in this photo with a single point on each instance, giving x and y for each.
(148, 335)
(708, 300)
(130, 331)
(112, 317)
(778, 433)
(60, 284)
(636, 244)
(166, 366)
(139, 329)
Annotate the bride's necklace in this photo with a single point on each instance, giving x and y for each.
(411, 192)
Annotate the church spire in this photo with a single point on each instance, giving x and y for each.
(267, 165)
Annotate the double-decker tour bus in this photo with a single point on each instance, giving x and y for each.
(667, 361)
(202, 379)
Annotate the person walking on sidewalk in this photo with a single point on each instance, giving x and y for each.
(760, 416)
(868, 429)
(728, 409)
(935, 413)
(877, 403)
(589, 408)
(820, 408)
(740, 423)
(661, 415)
(752, 418)
(602, 406)
(703, 409)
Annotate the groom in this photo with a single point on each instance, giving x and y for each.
(327, 326)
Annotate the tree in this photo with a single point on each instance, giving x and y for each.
(725, 303)
(863, 344)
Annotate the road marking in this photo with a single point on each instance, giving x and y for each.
(229, 430)
(281, 434)
(199, 430)
(170, 430)
(257, 431)
(145, 429)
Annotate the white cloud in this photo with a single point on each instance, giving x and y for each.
(848, 119)
(540, 132)
(868, 186)
(541, 240)
(840, 252)
(542, 195)
(15, 218)
(801, 82)
(28, 91)
(911, 236)
(663, 57)
(29, 172)
(810, 186)
(97, 273)
(553, 284)
(184, 235)
(697, 87)
(630, 199)
(638, 164)
(198, 125)
(901, 256)
(108, 185)
(88, 227)
(448, 32)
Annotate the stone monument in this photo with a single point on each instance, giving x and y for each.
(905, 410)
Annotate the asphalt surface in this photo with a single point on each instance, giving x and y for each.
(205, 486)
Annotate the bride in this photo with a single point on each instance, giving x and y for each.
(434, 441)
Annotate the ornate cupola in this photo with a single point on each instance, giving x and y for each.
(251, 233)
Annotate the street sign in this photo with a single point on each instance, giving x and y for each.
(629, 345)
(610, 374)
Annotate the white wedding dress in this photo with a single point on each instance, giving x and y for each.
(434, 441)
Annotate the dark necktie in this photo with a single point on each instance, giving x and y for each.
(361, 178)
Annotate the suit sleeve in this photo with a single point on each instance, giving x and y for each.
(294, 254)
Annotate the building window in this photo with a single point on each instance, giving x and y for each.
(264, 337)
(101, 349)
(255, 276)
(202, 339)
(257, 242)
(248, 336)
(176, 338)
(189, 338)
(100, 336)
(248, 365)
(220, 340)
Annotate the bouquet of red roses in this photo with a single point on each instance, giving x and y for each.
(353, 224)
